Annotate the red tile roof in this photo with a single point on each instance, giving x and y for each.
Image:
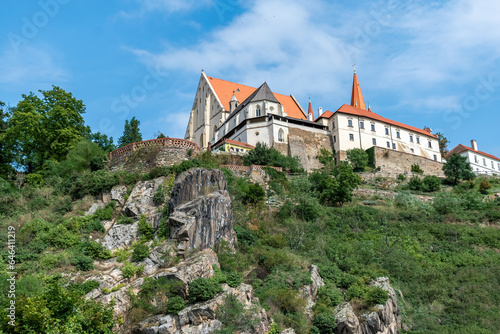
(346, 109)
(310, 110)
(224, 90)
(235, 142)
(462, 148)
(326, 114)
(356, 96)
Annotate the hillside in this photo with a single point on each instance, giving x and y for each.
(442, 256)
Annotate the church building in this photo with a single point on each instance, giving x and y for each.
(225, 111)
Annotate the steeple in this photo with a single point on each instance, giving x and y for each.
(233, 103)
(357, 97)
(310, 112)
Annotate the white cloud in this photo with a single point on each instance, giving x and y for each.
(34, 65)
(166, 6)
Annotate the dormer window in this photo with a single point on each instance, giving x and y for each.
(257, 111)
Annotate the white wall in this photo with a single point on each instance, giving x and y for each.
(478, 164)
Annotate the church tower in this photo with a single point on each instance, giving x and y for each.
(357, 97)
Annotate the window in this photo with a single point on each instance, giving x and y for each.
(280, 135)
(418, 140)
(257, 112)
(374, 141)
(361, 124)
(412, 150)
(373, 127)
(475, 158)
(387, 131)
(388, 145)
(393, 146)
(398, 134)
(349, 123)
(333, 125)
(430, 144)
(334, 139)
(351, 137)
(499, 166)
(484, 161)
(492, 165)
(435, 158)
(411, 138)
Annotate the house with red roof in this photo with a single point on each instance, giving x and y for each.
(481, 162)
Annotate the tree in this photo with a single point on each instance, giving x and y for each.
(264, 156)
(105, 142)
(42, 129)
(339, 189)
(5, 157)
(131, 133)
(443, 144)
(457, 168)
(358, 158)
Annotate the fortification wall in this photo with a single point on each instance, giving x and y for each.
(146, 155)
(392, 163)
(307, 146)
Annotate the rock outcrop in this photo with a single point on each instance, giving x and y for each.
(385, 320)
(200, 318)
(140, 200)
(201, 210)
(310, 291)
(120, 236)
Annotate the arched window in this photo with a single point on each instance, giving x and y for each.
(281, 134)
(257, 111)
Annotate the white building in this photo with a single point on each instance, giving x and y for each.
(225, 110)
(481, 163)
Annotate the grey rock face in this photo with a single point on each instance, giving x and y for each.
(200, 318)
(120, 236)
(310, 292)
(385, 320)
(140, 200)
(94, 207)
(118, 194)
(202, 210)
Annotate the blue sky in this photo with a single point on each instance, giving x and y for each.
(424, 63)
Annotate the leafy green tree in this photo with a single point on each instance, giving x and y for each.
(431, 183)
(43, 129)
(131, 133)
(443, 144)
(264, 156)
(339, 189)
(5, 156)
(484, 186)
(457, 168)
(105, 142)
(327, 158)
(358, 158)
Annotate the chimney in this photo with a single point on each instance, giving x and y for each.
(320, 111)
(473, 144)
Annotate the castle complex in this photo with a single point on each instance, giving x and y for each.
(226, 111)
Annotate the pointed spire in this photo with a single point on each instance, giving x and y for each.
(357, 97)
(310, 112)
(369, 108)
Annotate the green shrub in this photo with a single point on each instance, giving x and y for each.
(415, 168)
(93, 249)
(202, 289)
(175, 304)
(146, 231)
(128, 270)
(60, 237)
(401, 177)
(415, 183)
(35, 180)
(83, 262)
(330, 295)
(94, 225)
(233, 279)
(447, 202)
(484, 186)
(254, 194)
(106, 213)
(346, 280)
(355, 291)
(85, 287)
(141, 251)
(124, 220)
(245, 237)
(234, 317)
(376, 295)
(325, 323)
(431, 183)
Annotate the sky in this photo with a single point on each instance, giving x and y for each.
(423, 63)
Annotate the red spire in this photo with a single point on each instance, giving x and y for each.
(310, 110)
(357, 97)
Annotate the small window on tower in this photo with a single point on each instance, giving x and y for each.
(257, 111)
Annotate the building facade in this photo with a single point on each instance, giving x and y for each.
(482, 163)
(224, 110)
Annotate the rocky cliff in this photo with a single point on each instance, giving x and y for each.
(384, 319)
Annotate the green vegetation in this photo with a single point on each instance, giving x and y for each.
(202, 289)
(262, 155)
(457, 168)
(234, 317)
(358, 159)
(131, 133)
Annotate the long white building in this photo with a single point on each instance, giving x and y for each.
(481, 162)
